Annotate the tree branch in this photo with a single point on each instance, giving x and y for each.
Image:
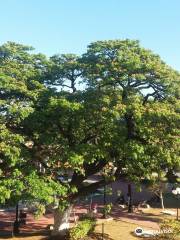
(90, 169)
(85, 190)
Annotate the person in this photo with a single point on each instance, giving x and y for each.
(22, 217)
(16, 227)
(121, 200)
(94, 207)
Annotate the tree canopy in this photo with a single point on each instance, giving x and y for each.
(113, 111)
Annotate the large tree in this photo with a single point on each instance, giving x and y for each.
(113, 111)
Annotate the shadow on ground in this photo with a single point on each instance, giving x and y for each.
(43, 235)
(117, 214)
(98, 236)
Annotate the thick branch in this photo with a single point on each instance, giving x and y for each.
(131, 129)
(90, 169)
(86, 190)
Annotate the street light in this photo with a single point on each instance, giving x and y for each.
(16, 222)
(104, 196)
(129, 194)
(176, 192)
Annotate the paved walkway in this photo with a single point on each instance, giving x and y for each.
(32, 225)
(38, 225)
(137, 218)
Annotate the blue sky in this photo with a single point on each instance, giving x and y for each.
(68, 26)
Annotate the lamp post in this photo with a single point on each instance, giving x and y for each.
(16, 222)
(104, 202)
(130, 209)
(176, 192)
(112, 172)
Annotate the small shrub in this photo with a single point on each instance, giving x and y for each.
(87, 216)
(170, 230)
(107, 209)
(82, 229)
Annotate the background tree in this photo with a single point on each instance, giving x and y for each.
(157, 184)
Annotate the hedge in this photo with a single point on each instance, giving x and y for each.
(82, 229)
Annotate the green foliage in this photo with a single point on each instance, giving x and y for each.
(87, 216)
(123, 120)
(83, 228)
(107, 209)
(170, 230)
(43, 189)
(40, 210)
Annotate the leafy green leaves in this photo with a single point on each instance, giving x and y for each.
(123, 120)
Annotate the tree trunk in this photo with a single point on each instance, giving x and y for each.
(161, 199)
(61, 221)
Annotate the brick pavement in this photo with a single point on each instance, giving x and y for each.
(38, 225)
